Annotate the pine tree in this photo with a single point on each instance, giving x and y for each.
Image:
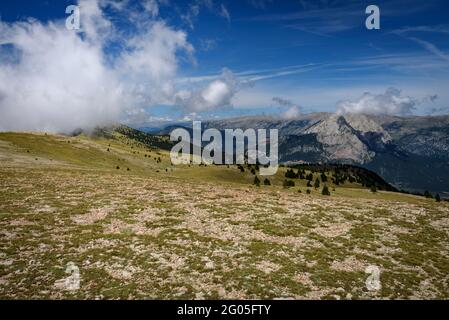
(373, 188)
(290, 174)
(317, 183)
(325, 191)
(427, 194)
(437, 198)
(323, 177)
(309, 185)
(267, 182)
(256, 181)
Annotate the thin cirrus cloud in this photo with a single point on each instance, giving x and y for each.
(260, 4)
(218, 91)
(225, 13)
(324, 18)
(190, 15)
(431, 29)
(252, 76)
(316, 21)
(430, 47)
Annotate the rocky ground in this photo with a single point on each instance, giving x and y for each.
(156, 236)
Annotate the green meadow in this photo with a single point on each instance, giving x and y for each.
(138, 227)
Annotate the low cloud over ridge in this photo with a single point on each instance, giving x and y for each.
(289, 110)
(392, 102)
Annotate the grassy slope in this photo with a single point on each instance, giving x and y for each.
(160, 231)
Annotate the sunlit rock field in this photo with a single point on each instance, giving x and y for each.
(137, 227)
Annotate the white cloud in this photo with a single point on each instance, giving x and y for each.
(151, 6)
(291, 113)
(289, 110)
(392, 102)
(59, 84)
(216, 94)
(60, 80)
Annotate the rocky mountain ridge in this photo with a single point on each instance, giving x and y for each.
(411, 153)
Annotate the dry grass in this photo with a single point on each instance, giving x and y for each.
(148, 234)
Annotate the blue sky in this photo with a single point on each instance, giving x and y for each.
(310, 55)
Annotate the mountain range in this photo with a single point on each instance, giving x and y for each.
(411, 153)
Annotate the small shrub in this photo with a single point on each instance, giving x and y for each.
(288, 183)
(427, 194)
(325, 191)
(323, 177)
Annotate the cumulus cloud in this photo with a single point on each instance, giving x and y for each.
(288, 109)
(392, 102)
(216, 94)
(61, 80)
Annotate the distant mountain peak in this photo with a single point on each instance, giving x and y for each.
(410, 152)
(340, 140)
